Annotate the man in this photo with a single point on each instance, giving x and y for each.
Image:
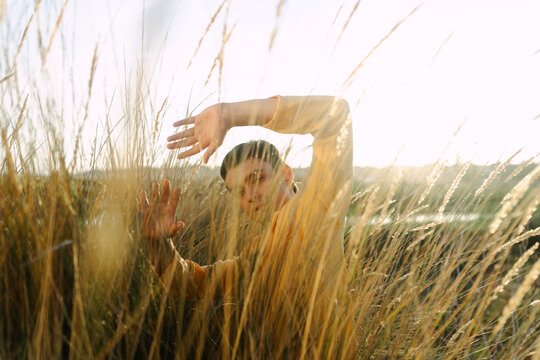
(301, 247)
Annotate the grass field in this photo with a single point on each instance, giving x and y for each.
(442, 260)
(76, 279)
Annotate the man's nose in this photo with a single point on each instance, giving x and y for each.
(251, 195)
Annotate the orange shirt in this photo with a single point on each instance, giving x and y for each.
(308, 230)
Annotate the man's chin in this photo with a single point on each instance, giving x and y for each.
(260, 214)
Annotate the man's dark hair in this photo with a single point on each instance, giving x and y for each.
(258, 149)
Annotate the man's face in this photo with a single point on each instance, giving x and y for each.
(258, 188)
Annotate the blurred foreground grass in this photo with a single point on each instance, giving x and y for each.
(76, 281)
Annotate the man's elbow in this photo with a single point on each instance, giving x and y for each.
(340, 108)
(342, 105)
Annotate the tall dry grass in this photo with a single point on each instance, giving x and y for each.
(76, 281)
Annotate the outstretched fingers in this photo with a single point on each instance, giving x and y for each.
(158, 215)
(155, 194)
(187, 121)
(175, 198)
(182, 143)
(173, 229)
(182, 134)
(176, 225)
(195, 149)
(211, 149)
(165, 191)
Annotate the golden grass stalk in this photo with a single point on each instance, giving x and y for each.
(93, 67)
(210, 23)
(453, 187)
(351, 76)
(516, 299)
(421, 236)
(459, 332)
(529, 234)
(279, 9)
(528, 213)
(19, 123)
(521, 167)
(220, 56)
(436, 55)
(25, 32)
(432, 179)
(389, 199)
(6, 78)
(536, 354)
(53, 34)
(351, 14)
(512, 198)
(513, 272)
(494, 173)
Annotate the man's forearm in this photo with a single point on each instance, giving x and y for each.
(187, 276)
(162, 253)
(251, 112)
(261, 111)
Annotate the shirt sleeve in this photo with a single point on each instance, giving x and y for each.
(326, 118)
(186, 277)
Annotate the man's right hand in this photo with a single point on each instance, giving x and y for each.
(158, 216)
(208, 131)
(212, 124)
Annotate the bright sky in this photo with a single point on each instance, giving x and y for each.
(451, 61)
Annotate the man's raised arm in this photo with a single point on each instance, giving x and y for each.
(324, 117)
